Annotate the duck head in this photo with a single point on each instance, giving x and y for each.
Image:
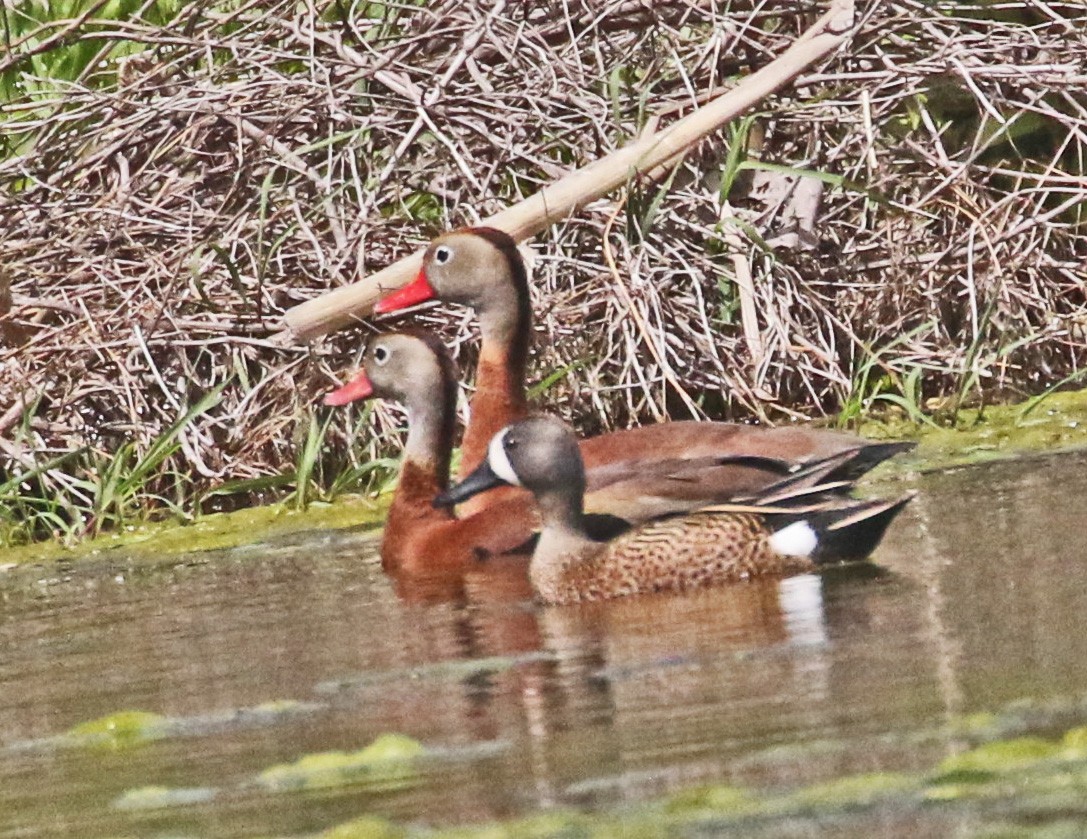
(539, 453)
(414, 369)
(408, 367)
(478, 267)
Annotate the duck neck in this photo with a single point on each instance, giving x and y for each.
(505, 320)
(563, 546)
(424, 471)
(506, 330)
(562, 512)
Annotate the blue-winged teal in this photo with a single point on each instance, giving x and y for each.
(771, 536)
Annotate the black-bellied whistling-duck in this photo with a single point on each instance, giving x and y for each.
(776, 535)
(481, 268)
(415, 370)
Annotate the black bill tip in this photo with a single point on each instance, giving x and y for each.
(480, 480)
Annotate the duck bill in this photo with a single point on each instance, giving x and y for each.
(417, 291)
(480, 480)
(359, 387)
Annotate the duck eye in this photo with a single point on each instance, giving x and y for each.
(442, 254)
(381, 355)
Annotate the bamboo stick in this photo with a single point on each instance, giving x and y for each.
(346, 305)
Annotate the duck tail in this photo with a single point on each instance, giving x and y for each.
(834, 474)
(841, 533)
(802, 481)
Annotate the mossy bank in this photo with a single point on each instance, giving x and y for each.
(1032, 428)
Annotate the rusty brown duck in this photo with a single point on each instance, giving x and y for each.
(778, 533)
(414, 369)
(482, 269)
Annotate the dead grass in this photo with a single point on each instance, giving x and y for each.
(159, 216)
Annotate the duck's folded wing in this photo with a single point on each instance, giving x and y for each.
(638, 491)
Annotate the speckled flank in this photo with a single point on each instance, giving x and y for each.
(691, 551)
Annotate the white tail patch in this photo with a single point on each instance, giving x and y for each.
(499, 460)
(797, 539)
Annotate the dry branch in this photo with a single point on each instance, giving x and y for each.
(553, 203)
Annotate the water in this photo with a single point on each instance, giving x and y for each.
(259, 656)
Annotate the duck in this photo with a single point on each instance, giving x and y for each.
(481, 268)
(780, 532)
(414, 368)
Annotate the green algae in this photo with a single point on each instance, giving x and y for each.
(1043, 780)
(121, 730)
(365, 827)
(567, 824)
(1056, 423)
(214, 531)
(279, 707)
(387, 762)
(719, 799)
(1063, 829)
(1037, 780)
(855, 790)
(991, 759)
(159, 797)
(1074, 742)
(981, 771)
(981, 723)
(125, 729)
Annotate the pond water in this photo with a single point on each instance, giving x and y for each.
(730, 711)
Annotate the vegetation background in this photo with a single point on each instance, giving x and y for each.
(905, 223)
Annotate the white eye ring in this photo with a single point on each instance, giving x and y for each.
(381, 355)
(442, 254)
